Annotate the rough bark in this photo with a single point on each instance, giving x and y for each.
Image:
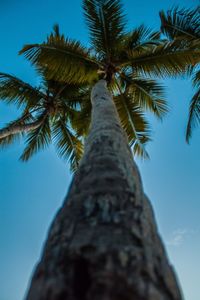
(103, 243)
(14, 129)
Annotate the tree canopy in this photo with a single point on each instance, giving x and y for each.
(132, 62)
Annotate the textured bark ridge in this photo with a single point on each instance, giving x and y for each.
(103, 243)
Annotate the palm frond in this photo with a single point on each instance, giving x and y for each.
(181, 23)
(65, 60)
(194, 115)
(67, 144)
(72, 95)
(140, 38)
(134, 124)
(14, 90)
(106, 24)
(38, 138)
(81, 122)
(147, 94)
(196, 79)
(166, 59)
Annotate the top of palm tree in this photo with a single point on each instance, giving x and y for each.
(113, 48)
(126, 59)
(122, 57)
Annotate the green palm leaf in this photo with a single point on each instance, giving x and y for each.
(75, 95)
(134, 124)
(38, 138)
(66, 60)
(105, 21)
(82, 120)
(147, 94)
(67, 144)
(14, 90)
(140, 38)
(194, 115)
(196, 79)
(166, 59)
(181, 23)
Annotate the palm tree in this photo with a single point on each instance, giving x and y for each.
(137, 93)
(49, 100)
(103, 243)
(47, 113)
(184, 25)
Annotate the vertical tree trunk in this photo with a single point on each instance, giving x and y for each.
(103, 243)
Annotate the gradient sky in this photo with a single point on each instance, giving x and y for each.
(32, 192)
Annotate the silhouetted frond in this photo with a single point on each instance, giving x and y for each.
(134, 124)
(106, 23)
(147, 94)
(83, 117)
(166, 59)
(67, 144)
(194, 115)
(14, 90)
(181, 23)
(38, 138)
(196, 79)
(65, 60)
(140, 38)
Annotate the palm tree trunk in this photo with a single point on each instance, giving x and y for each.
(21, 128)
(103, 243)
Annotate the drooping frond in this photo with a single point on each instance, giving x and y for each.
(166, 59)
(134, 124)
(196, 79)
(194, 115)
(140, 38)
(147, 94)
(82, 120)
(105, 21)
(181, 23)
(66, 60)
(14, 90)
(38, 138)
(67, 144)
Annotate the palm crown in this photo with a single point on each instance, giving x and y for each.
(183, 25)
(47, 114)
(125, 59)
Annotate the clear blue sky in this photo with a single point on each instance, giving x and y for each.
(31, 193)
